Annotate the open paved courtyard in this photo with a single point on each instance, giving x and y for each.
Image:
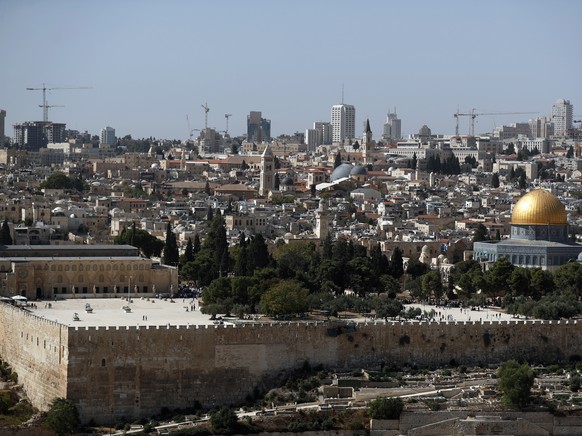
(179, 311)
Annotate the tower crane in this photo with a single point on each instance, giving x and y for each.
(227, 116)
(474, 115)
(206, 110)
(44, 89)
(50, 105)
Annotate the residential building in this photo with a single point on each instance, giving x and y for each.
(325, 132)
(343, 122)
(258, 128)
(35, 135)
(562, 113)
(107, 136)
(392, 127)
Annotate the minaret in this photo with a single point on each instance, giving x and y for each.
(321, 220)
(267, 182)
(367, 142)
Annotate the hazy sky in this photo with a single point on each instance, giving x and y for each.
(150, 63)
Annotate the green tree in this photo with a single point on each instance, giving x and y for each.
(386, 408)
(387, 307)
(5, 238)
(568, 278)
(481, 233)
(197, 245)
(338, 160)
(170, 254)
(284, 298)
(258, 254)
(432, 284)
(63, 417)
(416, 268)
(396, 264)
(495, 180)
(515, 382)
(498, 277)
(189, 252)
(58, 180)
(223, 421)
(541, 283)
(149, 245)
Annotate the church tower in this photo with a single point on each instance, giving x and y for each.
(267, 182)
(367, 143)
(322, 220)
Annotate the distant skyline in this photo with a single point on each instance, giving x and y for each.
(151, 63)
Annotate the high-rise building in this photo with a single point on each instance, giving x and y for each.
(392, 127)
(311, 139)
(541, 127)
(343, 122)
(107, 136)
(562, 113)
(258, 128)
(2, 126)
(324, 130)
(35, 135)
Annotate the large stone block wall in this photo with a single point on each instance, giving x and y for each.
(136, 371)
(37, 349)
(131, 372)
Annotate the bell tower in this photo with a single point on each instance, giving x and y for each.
(267, 181)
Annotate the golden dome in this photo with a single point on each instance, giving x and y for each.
(539, 207)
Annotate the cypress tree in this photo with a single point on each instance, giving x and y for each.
(170, 254)
(5, 238)
(189, 253)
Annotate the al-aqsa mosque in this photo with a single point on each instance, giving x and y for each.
(539, 235)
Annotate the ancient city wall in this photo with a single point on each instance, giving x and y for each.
(136, 371)
(37, 350)
(131, 372)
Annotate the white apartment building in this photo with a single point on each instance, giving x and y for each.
(343, 122)
(562, 113)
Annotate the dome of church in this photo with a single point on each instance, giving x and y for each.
(287, 181)
(358, 170)
(340, 172)
(539, 207)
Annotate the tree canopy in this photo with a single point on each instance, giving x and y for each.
(149, 245)
(515, 382)
(63, 417)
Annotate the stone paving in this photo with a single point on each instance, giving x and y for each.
(111, 312)
(178, 311)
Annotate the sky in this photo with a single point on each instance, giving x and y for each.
(150, 65)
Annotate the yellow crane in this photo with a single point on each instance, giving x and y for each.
(45, 106)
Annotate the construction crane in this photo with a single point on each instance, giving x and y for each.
(474, 115)
(44, 89)
(50, 105)
(206, 110)
(227, 116)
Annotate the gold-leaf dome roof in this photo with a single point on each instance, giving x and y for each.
(539, 207)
